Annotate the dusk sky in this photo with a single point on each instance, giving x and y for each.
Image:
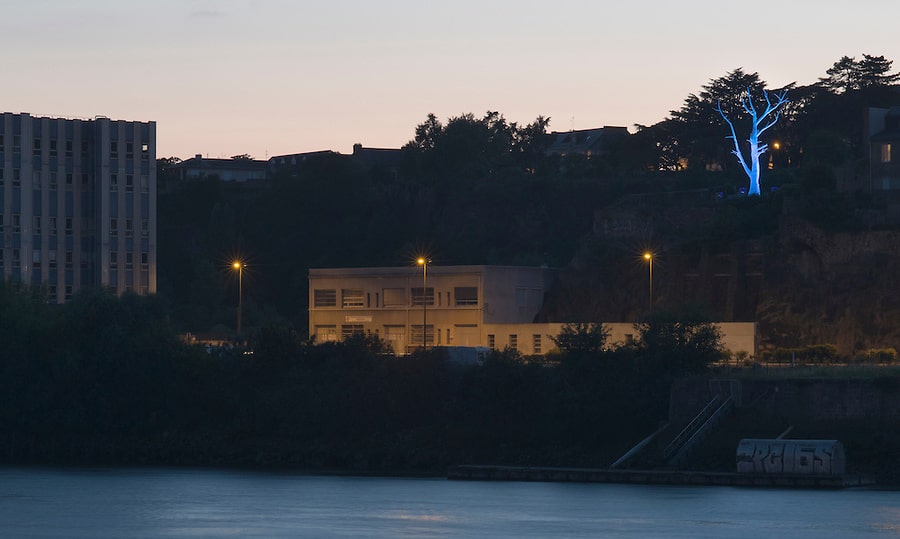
(269, 77)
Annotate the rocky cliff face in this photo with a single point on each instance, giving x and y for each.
(745, 262)
(838, 288)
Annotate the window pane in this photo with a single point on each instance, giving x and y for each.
(353, 297)
(325, 298)
(466, 295)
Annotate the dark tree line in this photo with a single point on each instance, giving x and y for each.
(105, 380)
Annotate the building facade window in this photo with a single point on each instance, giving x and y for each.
(422, 296)
(347, 330)
(326, 333)
(325, 298)
(394, 297)
(514, 342)
(466, 295)
(353, 297)
(418, 337)
(886, 153)
(536, 343)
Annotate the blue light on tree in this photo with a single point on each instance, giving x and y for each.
(766, 119)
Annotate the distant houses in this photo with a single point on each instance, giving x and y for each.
(586, 142)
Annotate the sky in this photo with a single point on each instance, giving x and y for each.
(273, 77)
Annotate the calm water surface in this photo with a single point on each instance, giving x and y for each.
(142, 503)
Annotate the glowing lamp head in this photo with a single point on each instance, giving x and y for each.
(237, 265)
(648, 256)
(420, 261)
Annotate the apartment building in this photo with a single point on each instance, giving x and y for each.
(77, 204)
(425, 305)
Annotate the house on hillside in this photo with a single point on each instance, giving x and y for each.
(384, 158)
(884, 149)
(883, 126)
(586, 142)
(226, 170)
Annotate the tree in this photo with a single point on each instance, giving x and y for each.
(693, 132)
(767, 119)
(849, 74)
(679, 343)
(581, 338)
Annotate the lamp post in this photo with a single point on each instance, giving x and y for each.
(648, 256)
(238, 265)
(422, 261)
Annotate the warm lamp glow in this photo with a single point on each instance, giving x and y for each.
(236, 265)
(420, 261)
(647, 256)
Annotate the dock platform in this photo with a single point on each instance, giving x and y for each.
(654, 477)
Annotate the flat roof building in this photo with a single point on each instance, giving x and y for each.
(454, 306)
(417, 306)
(78, 204)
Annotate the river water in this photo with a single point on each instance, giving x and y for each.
(152, 502)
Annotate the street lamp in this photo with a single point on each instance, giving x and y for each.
(648, 256)
(238, 265)
(422, 261)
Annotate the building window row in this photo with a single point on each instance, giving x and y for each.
(354, 298)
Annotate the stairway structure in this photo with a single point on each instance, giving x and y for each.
(677, 450)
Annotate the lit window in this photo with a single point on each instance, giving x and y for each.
(417, 336)
(349, 329)
(420, 298)
(325, 298)
(885, 153)
(353, 297)
(326, 333)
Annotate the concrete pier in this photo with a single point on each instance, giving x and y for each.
(655, 477)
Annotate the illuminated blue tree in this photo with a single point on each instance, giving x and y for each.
(766, 119)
